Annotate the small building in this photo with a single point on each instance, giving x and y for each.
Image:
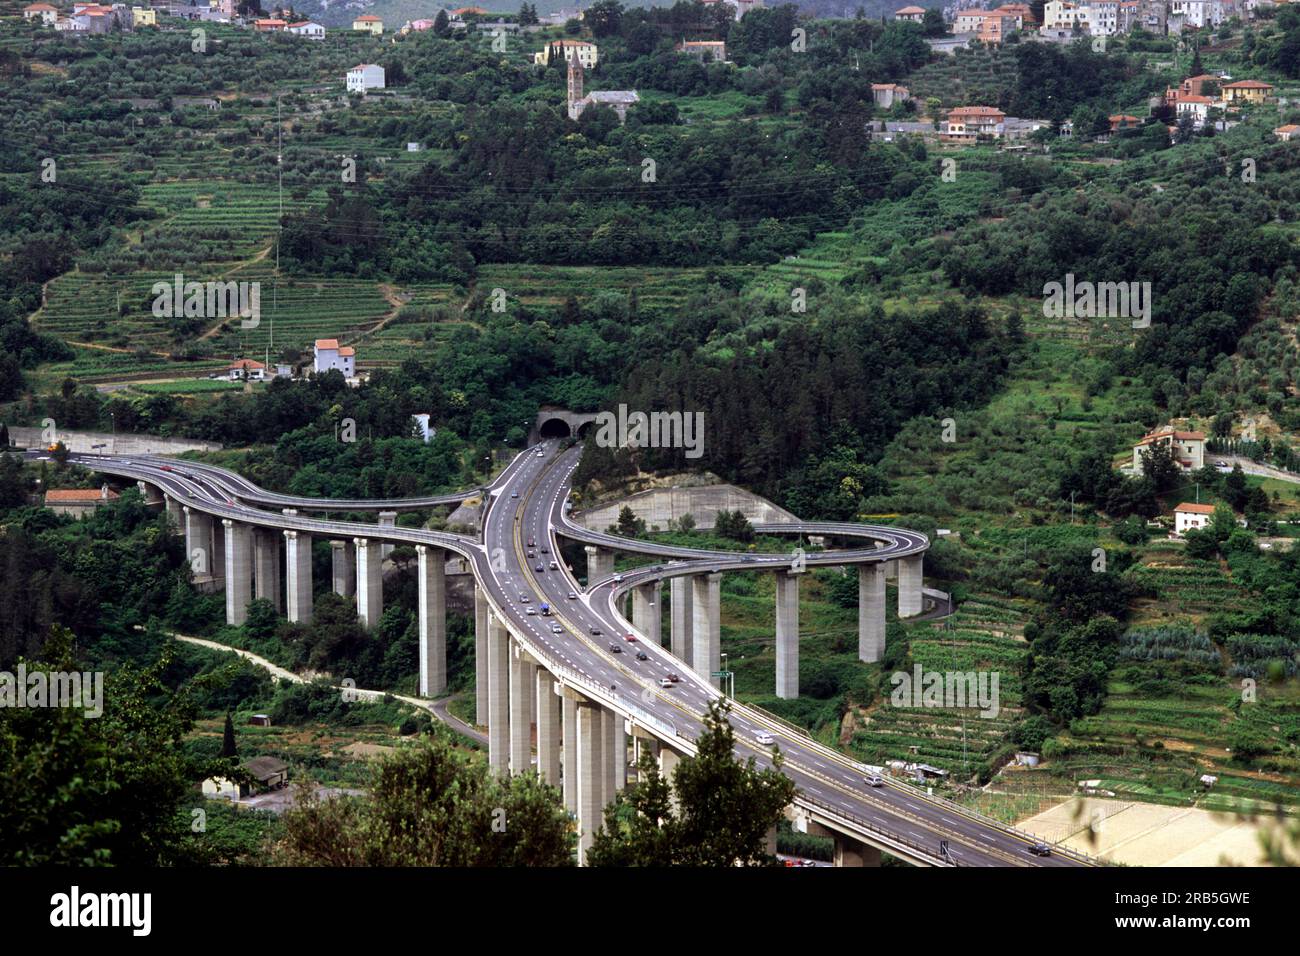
(144, 17)
(885, 95)
(586, 52)
(427, 431)
(1286, 133)
(1188, 516)
(968, 21)
(268, 773)
(706, 51)
(912, 14)
(365, 77)
(1122, 121)
(965, 123)
(1026, 758)
(1246, 91)
(269, 26)
(259, 720)
(46, 13)
(307, 28)
(1195, 107)
(330, 355)
(246, 370)
(78, 502)
(994, 28)
(368, 23)
(220, 788)
(1189, 448)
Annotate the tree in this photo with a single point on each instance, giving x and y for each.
(441, 26)
(723, 812)
(433, 805)
(1160, 466)
(228, 746)
(604, 18)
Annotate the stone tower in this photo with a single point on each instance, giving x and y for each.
(575, 85)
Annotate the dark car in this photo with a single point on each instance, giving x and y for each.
(539, 568)
(1040, 849)
(595, 631)
(642, 656)
(615, 649)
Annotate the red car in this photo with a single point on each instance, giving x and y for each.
(674, 678)
(630, 638)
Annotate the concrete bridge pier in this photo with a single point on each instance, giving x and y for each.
(239, 570)
(150, 493)
(591, 774)
(387, 519)
(343, 568)
(480, 656)
(297, 575)
(910, 580)
(787, 635)
(569, 771)
(646, 612)
(680, 618)
(370, 582)
(218, 563)
(266, 566)
(432, 626)
(498, 697)
(853, 853)
(706, 647)
(549, 727)
(176, 514)
(871, 612)
(600, 563)
(615, 758)
(523, 681)
(198, 543)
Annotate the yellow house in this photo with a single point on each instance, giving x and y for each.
(144, 17)
(565, 49)
(369, 23)
(1246, 91)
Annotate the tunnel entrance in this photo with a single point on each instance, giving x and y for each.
(554, 428)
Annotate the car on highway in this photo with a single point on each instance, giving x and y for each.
(618, 579)
(630, 637)
(556, 629)
(541, 453)
(642, 656)
(573, 595)
(672, 678)
(530, 542)
(540, 568)
(532, 554)
(531, 611)
(524, 599)
(874, 780)
(595, 631)
(554, 566)
(514, 494)
(615, 649)
(665, 682)
(167, 468)
(545, 550)
(764, 738)
(1040, 849)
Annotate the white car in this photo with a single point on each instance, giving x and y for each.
(874, 780)
(556, 629)
(665, 682)
(573, 595)
(765, 738)
(541, 453)
(532, 611)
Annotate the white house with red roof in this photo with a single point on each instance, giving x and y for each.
(330, 355)
(1189, 516)
(1188, 446)
(44, 11)
(965, 123)
(307, 28)
(914, 14)
(246, 370)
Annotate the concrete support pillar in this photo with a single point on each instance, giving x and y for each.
(549, 728)
(370, 581)
(198, 543)
(266, 566)
(387, 519)
(706, 646)
(343, 567)
(600, 563)
(218, 552)
(522, 684)
(646, 612)
(590, 775)
(871, 612)
(852, 853)
(432, 626)
(787, 635)
(176, 514)
(680, 618)
(297, 575)
(668, 761)
(149, 493)
(771, 842)
(615, 755)
(569, 713)
(909, 585)
(498, 697)
(239, 570)
(480, 656)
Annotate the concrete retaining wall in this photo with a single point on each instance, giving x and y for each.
(658, 506)
(122, 444)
